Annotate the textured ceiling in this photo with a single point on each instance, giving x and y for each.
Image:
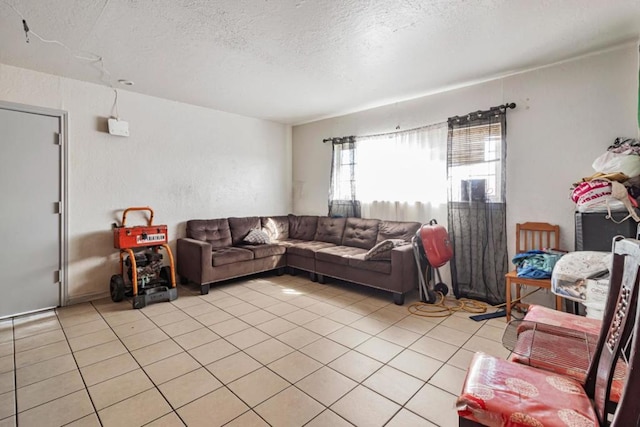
(295, 61)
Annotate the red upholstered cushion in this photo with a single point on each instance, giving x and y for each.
(559, 355)
(497, 392)
(541, 314)
(544, 360)
(564, 355)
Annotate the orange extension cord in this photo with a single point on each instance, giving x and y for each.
(445, 307)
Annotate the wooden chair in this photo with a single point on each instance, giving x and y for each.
(531, 236)
(497, 392)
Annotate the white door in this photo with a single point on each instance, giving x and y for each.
(30, 219)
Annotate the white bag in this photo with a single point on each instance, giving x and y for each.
(595, 196)
(610, 162)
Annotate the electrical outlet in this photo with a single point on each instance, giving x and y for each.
(118, 127)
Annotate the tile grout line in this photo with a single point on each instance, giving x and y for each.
(141, 368)
(109, 327)
(358, 383)
(350, 349)
(321, 300)
(175, 410)
(16, 369)
(86, 389)
(251, 409)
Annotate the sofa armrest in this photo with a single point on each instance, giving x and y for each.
(194, 259)
(403, 267)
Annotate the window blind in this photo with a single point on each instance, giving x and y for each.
(475, 144)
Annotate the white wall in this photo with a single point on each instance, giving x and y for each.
(184, 161)
(567, 114)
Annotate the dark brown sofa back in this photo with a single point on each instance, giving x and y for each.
(397, 230)
(330, 230)
(277, 227)
(302, 227)
(360, 233)
(240, 227)
(213, 231)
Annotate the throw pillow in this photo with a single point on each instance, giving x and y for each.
(382, 251)
(257, 237)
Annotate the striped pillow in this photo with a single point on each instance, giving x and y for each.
(382, 251)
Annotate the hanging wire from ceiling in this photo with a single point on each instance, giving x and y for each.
(80, 55)
(115, 104)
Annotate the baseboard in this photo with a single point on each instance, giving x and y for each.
(85, 298)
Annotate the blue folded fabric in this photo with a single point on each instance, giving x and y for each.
(533, 273)
(535, 264)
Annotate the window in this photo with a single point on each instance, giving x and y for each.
(477, 209)
(405, 167)
(475, 164)
(342, 192)
(388, 176)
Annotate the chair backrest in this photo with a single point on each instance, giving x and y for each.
(615, 284)
(628, 411)
(619, 325)
(537, 235)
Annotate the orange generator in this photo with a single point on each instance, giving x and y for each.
(148, 279)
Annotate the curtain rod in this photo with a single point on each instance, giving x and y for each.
(509, 105)
(392, 132)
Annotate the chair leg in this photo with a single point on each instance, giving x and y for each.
(508, 298)
(559, 303)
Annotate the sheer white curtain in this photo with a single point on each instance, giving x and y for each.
(403, 176)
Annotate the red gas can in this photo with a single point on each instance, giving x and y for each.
(436, 244)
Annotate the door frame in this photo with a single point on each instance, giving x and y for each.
(62, 116)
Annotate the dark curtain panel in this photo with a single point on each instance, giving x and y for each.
(342, 190)
(476, 170)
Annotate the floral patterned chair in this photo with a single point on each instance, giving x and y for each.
(549, 316)
(566, 344)
(497, 392)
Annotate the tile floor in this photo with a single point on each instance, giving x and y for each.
(280, 351)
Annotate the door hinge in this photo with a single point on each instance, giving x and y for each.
(56, 276)
(57, 208)
(58, 139)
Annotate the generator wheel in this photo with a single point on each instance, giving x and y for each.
(442, 288)
(116, 286)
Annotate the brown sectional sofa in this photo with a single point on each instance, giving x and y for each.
(214, 250)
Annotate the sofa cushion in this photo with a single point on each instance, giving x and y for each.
(308, 249)
(290, 242)
(302, 227)
(263, 251)
(358, 261)
(338, 254)
(277, 227)
(404, 230)
(330, 229)
(382, 251)
(229, 255)
(257, 237)
(240, 227)
(360, 233)
(213, 231)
